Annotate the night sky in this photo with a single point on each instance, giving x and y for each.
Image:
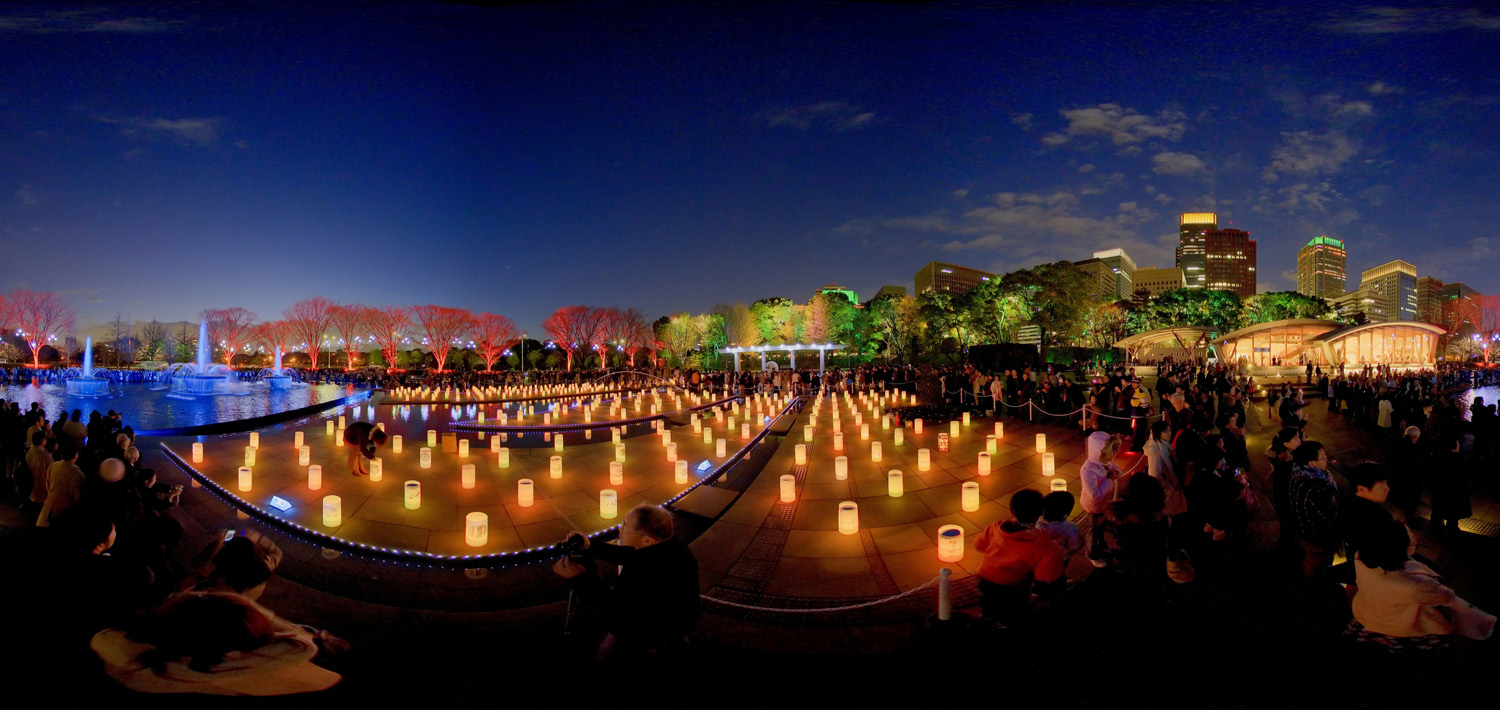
(165, 158)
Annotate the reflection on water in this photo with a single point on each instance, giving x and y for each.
(144, 408)
(1490, 394)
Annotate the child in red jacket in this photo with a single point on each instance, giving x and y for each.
(1016, 554)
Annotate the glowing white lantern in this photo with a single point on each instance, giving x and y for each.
(314, 477)
(395, 443)
(328, 428)
(864, 432)
(838, 441)
(969, 496)
(984, 463)
(807, 433)
(899, 436)
(1041, 443)
(838, 426)
(255, 439)
(841, 467)
(609, 504)
(950, 543)
(893, 486)
(432, 437)
(557, 442)
(916, 426)
(298, 439)
(1049, 464)
(377, 469)
(953, 426)
(476, 529)
(546, 418)
(466, 475)
(619, 452)
(556, 468)
(999, 430)
(924, 459)
(333, 511)
(680, 471)
(745, 431)
(413, 497)
(343, 423)
(800, 451)
(249, 455)
(991, 444)
(1059, 484)
(885, 421)
(197, 452)
(244, 478)
(463, 448)
(708, 436)
(424, 457)
(617, 473)
(788, 488)
(502, 457)
(849, 517)
(671, 453)
(524, 493)
(720, 448)
(614, 435)
(875, 452)
(666, 436)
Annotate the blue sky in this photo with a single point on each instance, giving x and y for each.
(166, 158)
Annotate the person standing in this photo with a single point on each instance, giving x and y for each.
(1314, 501)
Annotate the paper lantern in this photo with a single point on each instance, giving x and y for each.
(849, 517)
(424, 457)
(875, 452)
(255, 439)
(395, 443)
(807, 433)
(885, 421)
(502, 457)
(953, 426)
(1049, 464)
(343, 423)
(893, 485)
(197, 452)
(916, 426)
(999, 430)
(466, 475)
(476, 529)
(1059, 484)
(557, 442)
(413, 497)
(298, 439)
(899, 436)
(788, 488)
(1041, 443)
(617, 473)
(838, 426)
(377, 469)
(841, 467)
(991, 444)
(719, 448)
(244, 478)
(801, 453)
(338, 437)
(966, 419)
(249, 455)
(609, 504)
(432, 437)
(614, 435)
(942, 442)
(546, 418)
(969, 497)
(333, 511)
(328, 428)
(671, 453)
(729, 424)
(463, 448)
(314, 477)
(680, 471)
(838, 441)
(864, 432)
(745, 431)
(984, 463)
(924, 459)
(950, 543)
(556, 468)
(619, 452)
(524, 493)
(708, 436)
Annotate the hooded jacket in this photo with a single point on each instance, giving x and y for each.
(1098, 487)
(1015, 555)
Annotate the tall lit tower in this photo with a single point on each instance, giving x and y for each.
(1192, 246)
(1320, 267)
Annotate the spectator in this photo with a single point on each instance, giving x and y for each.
(1056, 508)
(1016, 554)
(1450, 487)
(1400, 602)
(64, 484)
(1362, 512)
(39, 460)
(1099, 477)
(361, 439)
(1407, 463)
(1160, 466)
(1314, 504)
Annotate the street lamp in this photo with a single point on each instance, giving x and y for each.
(523, 353)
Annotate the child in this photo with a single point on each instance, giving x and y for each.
(1015, 556)
(1056, 508)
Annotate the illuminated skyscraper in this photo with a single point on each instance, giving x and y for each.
(1392, 289)
(1192, 246)
(940, 276)
(1320, 267)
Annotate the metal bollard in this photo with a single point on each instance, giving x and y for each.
(945, 594)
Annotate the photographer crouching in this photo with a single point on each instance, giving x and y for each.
(653, 605)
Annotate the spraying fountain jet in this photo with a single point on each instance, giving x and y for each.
(85, 383)
(277, 377)
(203, 378)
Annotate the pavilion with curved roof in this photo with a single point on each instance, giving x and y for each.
(1322, 342)
(1188, 342)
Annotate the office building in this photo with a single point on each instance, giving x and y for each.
(1320, 267)
(1156, 281)
(1222, 259)
(1113, 271)
(1391, 291)
(897, 291)
(839, 290)
(938, 276)
(1192, 246)
(1442, 303)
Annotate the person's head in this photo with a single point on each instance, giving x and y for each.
(1311, 453)
(378, 437)
(1161, 429)
(38, 438)
(646, 525)
(78, 415)
(1057, 506)
(1145, 495)
(112, 470)
(1370, 481)
(1288, 439)
(84, 529)
(132, 455)
(201, 629)
(1385, 547)
(243, 566)
(67, 450)
(122, 441)
(1026, 506)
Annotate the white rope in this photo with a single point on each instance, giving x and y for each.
(881, 600)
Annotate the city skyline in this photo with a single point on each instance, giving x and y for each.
(518, 159)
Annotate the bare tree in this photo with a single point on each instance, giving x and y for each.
(119, 332)
(153, 339)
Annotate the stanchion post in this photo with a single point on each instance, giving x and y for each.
(945, 594)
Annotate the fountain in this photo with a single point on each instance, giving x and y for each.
(203, 378)
(86, 384)
(277, 377)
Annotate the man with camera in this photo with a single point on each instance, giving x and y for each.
(654, 602)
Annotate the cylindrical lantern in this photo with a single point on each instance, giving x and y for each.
(494, 444)
(524, 493)
(413, 499)
(255, 439)
(788, 488)
(463, 448)
(377, 469)
(304, 455)
(476, 529)
(502, 457)
(333, 511)
(614, 435)
(298, 438)
(807, 432)
(466, 475)
(838, 441)
(999, 430)
(885, 421)
(1049, 464)
(969, 498)
(849, 517)
(617, 473)
(314, 477)
(424, 457)
(864, 432)
(875, 452)
(556, 469)
(680, 470)
(557, 442)
(432, 437)
(942, 442)
(984, 463)
(953, 426)
(924, 459)
(966, 418)
(991, 444)
(916, 426)
(893, 486)
(950, 543)
(396, 443)
(620, 452)
(840, 467)
(197, 452)
(249, 455)
(1041, 443)
(671, 453)
(244, 478)
(719, 448)
(800, 451)
(745, 431)
(1059, 484)
(343, 422)
(838, 425)
(899, 436)
(328, 428)
(609, 504)
(708, 436)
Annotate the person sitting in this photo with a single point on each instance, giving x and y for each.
(1016, 554)
(1400, 603)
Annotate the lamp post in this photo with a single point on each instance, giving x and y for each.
(523, 354)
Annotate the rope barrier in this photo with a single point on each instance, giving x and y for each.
(849, 607)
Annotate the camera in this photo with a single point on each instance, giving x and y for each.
(573, 547)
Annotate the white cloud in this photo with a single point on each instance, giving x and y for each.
(1023, 120)
(1308, 153)
(201, 132)
(1381, 88)
(1121, 125)
(830, 115)
(1054, 139)
(1086, 168)
(1162, 198)
(1396, 20)
(81, 21)
(1177, 164)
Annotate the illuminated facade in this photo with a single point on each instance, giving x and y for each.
(1392, 292)
(1192, 246)
(938, 276)
(841, 291)
(1155, 282)
(1320, 268)
(1113, 272)
(1213, 258)
(1320, 342)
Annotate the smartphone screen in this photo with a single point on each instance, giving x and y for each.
(228, 535)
